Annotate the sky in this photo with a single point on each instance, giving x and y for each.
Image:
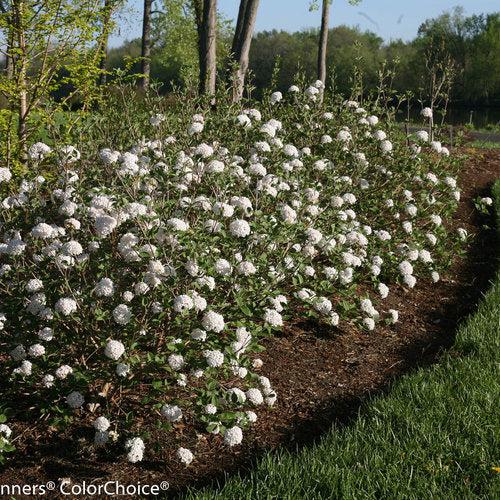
(390, 19)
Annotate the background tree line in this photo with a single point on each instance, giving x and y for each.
(472, 45)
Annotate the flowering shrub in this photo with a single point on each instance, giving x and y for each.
(137, 286)
(5, 434)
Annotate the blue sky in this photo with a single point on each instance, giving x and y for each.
(390, 19)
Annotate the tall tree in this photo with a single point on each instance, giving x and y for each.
(146, 45)
(49, 39)
(242, 40)
(107, 13)
(323, 40)
(206, 20)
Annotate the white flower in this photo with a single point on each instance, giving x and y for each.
(246, 268)
(122, 369)
(198, 334)
(405, 268)
(66, 306)
(210, 409)
(195, 128)
(214, 358)
(394, 315)
(322, 305)
(426, 113)
(171, 412)
(34, 285)
(344, 136)
(233, 436)
(63, 371)
(155, 120)
(176, 362)
(48, 381)
(72, 248)
(75, 399)
(239, 228)
(255, 396)
(383, 289)
(276, 97)
(243, 121)
(183, 303)
(5, 430)
(114, 349)
(369, 323)
(185, 456)
(101, 424)
(38, 151)
(122, 314)
(43, 231)
(135, 447)
(386, 146)
(108, 156)
(178, 224)
(290, 150)
(409, 280)
(70, 154)
(422, 135)
(104, 288)
(5, 174)
(213, 322)
(104, 225)
(273, 318)
(36, 350)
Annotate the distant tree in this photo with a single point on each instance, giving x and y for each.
(146, 45)
(108, 9)
(242, 40)
(323, 35)
(323, 40)
(206, 20)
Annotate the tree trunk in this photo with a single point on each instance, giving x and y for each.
(8, 57)
(245, 27)
(323, 41)
(21, 74)
(106, 21)
(239, 26)
(207, 47)
(146, 45)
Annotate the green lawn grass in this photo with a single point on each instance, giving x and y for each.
(434, 436)
(484, 145)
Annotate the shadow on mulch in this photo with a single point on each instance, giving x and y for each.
(321, 375)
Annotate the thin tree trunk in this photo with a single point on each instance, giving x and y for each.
(241, 44)
(207, 48)
(21, 63)
(323, 41)
(8, 57)
(106, 27)
(146, 45)
(239, 26)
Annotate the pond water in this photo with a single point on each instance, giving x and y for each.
(480, 117)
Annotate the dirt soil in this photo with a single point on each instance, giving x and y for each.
(320, 375)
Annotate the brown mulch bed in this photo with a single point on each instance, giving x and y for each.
(320, 375)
